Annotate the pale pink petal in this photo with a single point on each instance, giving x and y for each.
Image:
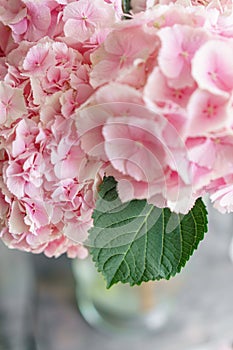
(209, 111)
(38, 59)
(179, 44)
(89, 122)
(16, 220)
(212, 67)
(134, 147)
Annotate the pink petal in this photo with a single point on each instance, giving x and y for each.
(212, 67)
(16, 220)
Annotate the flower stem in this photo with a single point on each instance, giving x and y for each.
(126, 6)
(147, 296)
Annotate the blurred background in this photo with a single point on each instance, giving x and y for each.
(38, 309)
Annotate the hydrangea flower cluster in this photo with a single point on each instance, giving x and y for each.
(84, 93)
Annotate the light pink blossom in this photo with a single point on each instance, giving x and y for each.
(121, 50)
(223, 196)
(179, 45)
(165, 96)
(67, 159)
(34, 25)
(134, 147)
(210, 111)
(38, 59)
(12, 104)
(212, 67)
(83, 17)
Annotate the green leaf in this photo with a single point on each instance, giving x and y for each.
(137, 242)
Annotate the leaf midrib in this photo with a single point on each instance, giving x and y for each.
(130, 245)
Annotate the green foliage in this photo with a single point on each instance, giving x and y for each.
(136, 241)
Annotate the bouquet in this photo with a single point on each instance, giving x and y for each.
(115, 119)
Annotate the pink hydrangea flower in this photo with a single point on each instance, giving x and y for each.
(85, 93)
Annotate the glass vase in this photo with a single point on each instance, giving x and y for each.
(122, 309)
